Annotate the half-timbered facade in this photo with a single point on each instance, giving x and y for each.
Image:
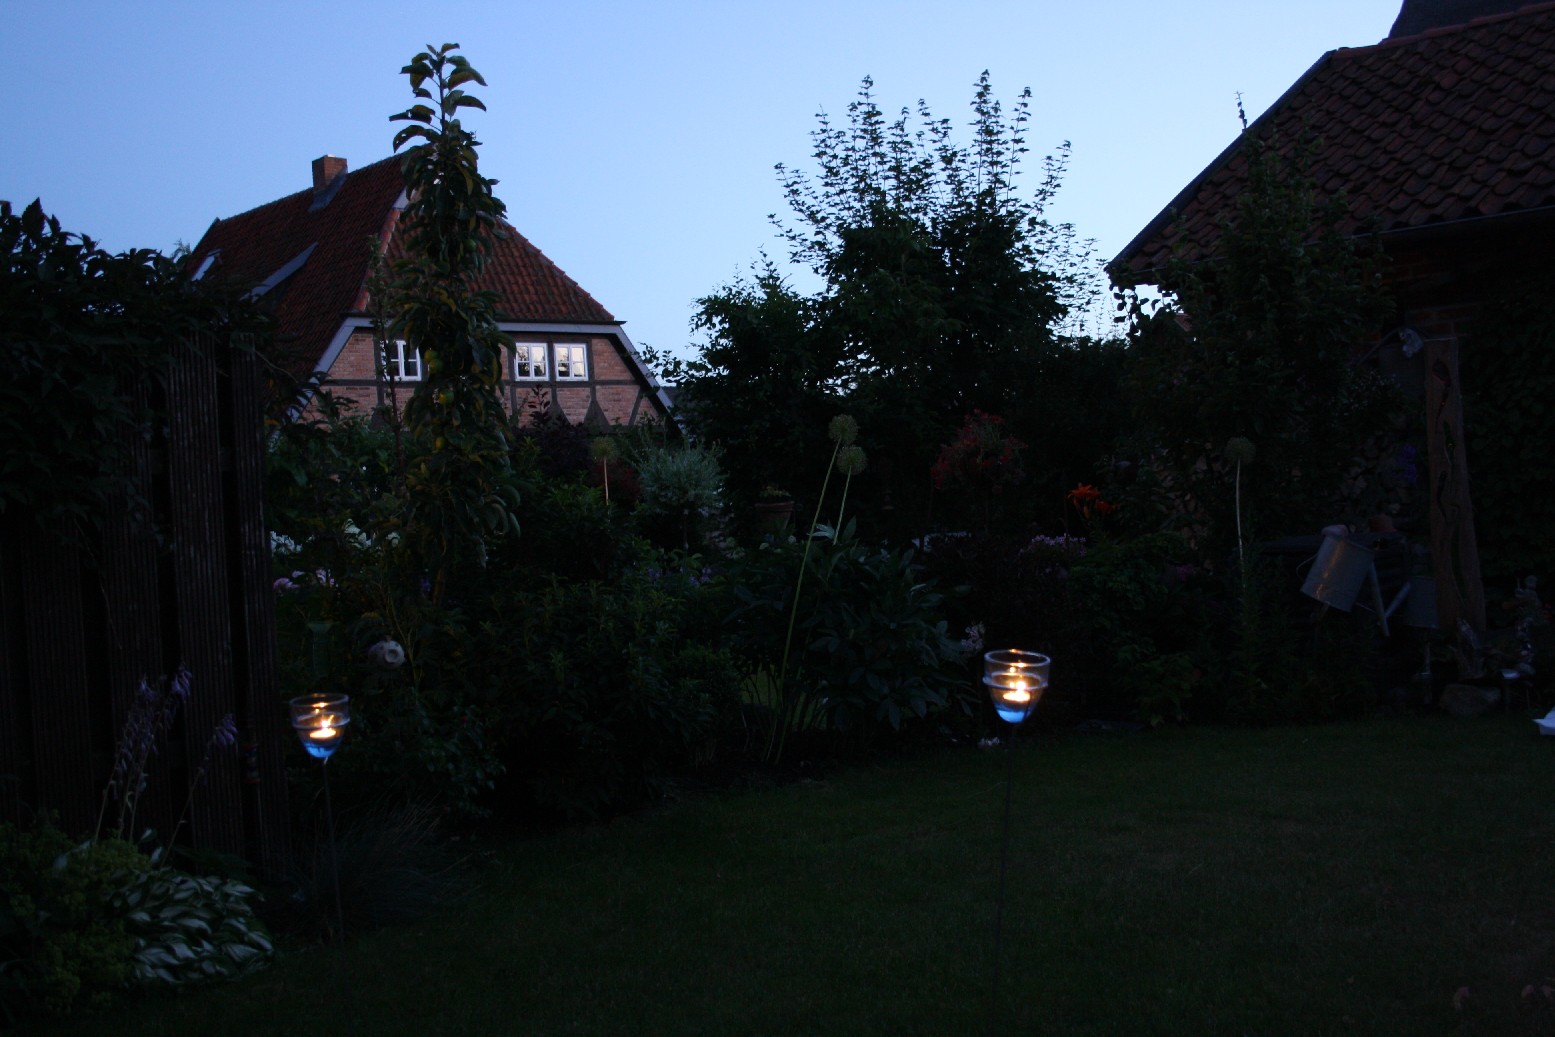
(309, 256)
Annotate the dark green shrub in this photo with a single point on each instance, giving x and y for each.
(682, 489)
(71, 409)
(80, 922)
(62, 942)
(1006, 590)
(1134, 626)
(420, 744)
(570, 532)
(610, 691)
(346, 580)
(544, 439)
(420, 731)
(870, 651)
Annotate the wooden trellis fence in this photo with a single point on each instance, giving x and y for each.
(80, 626)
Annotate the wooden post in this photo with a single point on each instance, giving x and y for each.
(1460, 589)
(203, 616)
(262, 728)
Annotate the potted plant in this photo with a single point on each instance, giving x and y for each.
(774, 508)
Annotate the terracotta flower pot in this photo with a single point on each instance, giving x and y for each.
(772, 515)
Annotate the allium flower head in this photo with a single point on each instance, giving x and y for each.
(843, 430)
(1240, 450)
(851, 460)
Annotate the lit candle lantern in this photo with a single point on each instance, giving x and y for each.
(1015, 680)
(320, 722)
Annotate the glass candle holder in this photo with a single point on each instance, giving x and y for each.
(1015, 680)
(320, 722)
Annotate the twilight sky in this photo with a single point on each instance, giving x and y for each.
(634, 142)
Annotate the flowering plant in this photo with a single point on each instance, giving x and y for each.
(980, 454)
(1088, 501)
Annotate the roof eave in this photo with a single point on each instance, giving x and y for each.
(1510, 219)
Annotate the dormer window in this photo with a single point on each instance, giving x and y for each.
(401, 363)
(206, 264)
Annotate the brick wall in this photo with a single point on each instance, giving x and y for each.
(611, 385)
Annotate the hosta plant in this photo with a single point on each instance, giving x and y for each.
(189, 928)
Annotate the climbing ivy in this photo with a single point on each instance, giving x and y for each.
(1508, 364)
(1258, 343)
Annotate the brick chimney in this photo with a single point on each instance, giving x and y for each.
(327, 174)
(1417, 16)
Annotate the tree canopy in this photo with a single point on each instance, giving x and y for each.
(942, 286)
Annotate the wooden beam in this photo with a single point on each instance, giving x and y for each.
(1460, 589)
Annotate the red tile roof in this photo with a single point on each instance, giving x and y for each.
(1454, 124)
(330, 285)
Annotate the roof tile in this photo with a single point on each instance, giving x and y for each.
(1420, 130)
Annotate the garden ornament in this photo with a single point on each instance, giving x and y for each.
(387, 654)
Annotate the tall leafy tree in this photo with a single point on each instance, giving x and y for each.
(940, 287)
(459, 492)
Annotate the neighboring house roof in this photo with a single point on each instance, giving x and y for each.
(1446, 128)
(310, 252)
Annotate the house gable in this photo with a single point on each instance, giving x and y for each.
(308, 256)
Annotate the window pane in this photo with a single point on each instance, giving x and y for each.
(401, 364)
(569, 361)
(529, 360)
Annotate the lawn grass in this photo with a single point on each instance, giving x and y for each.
(1346, 879)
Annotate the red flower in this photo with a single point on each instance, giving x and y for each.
(1088, 501)
(980, 453)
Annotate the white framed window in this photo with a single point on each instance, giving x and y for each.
(402, 364)
(529, 361)
(571, 361)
